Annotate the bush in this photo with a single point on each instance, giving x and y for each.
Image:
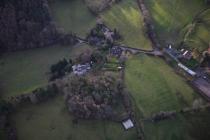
(59, 69)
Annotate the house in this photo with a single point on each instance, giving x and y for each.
(109, 35)
(187, 55)
(81, 69)
(128, 124)
(116, 51)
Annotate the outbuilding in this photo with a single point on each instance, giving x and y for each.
(127, 124)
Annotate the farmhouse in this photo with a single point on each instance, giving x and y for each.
(81, 69)
(187, 55)
(109, 35)
(116, 51)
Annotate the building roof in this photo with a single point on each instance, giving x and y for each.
(128, 124)
(189, 71)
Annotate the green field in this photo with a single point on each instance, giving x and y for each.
(51, 121)
(171, 17)
(72, 16)
(126, 18)
(24, 71)
(184, 127)
(155, 87)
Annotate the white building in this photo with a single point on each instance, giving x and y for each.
(81, 69)
(189, 71)
(128, 124)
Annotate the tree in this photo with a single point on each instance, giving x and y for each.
(60, 69)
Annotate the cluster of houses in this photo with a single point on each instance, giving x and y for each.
(81, 69)
(116, 51)
(100, 39)
(179, 54)
(202, 81)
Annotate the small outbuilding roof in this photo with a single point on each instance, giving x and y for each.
(128, 124)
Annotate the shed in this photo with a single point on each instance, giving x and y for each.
(128, 124)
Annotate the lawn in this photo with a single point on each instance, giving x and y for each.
(172, 16)
(126, 18)
(26, 70)
(51, 121)
(73, 16)
(155, 87)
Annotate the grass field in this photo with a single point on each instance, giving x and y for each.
(51, 121)
(26, 70)
(126, 18)
(155, 87)
(72, 16)
(171, 18)
(188, 127)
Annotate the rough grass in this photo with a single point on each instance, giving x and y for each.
(126, 18)
(51, 121)
(200, 38)
(155, 87)
(26, 70)
(188, 127)
(172, 16)
(72, 16)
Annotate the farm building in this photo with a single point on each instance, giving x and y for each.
(128, 124)
(189, 71)
(81, 69)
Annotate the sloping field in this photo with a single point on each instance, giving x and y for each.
(155, 87)
(126, 18)
(72, 16)
(200, 38)
(171, 17)
(26, 70)
(51, 121)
